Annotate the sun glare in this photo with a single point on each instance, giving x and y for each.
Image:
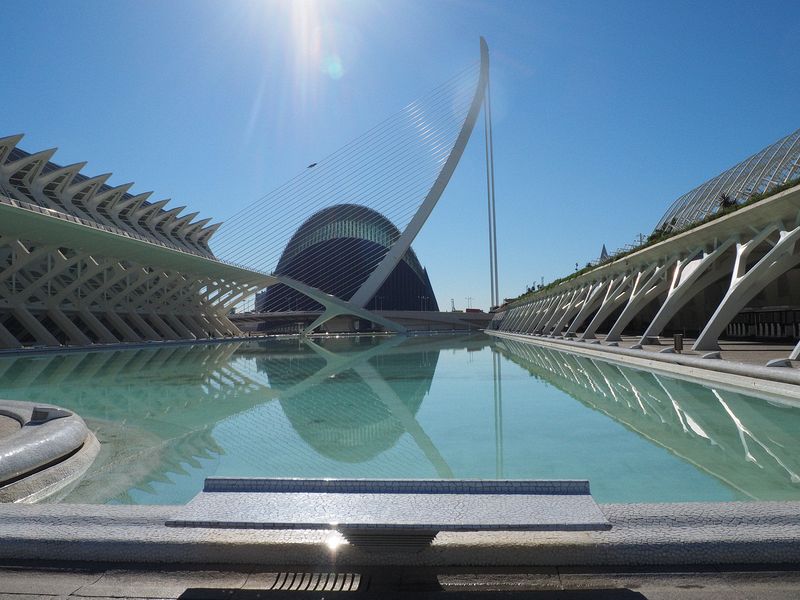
(317, 38)
(310, 46)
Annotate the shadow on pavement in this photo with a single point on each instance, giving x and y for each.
(239, 594)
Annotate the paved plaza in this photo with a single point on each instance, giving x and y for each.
(740, 351)
(27, 582)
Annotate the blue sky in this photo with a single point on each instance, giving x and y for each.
(604, 112)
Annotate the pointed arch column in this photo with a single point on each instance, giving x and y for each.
(593, 296)
(618, 292)
(649, 283)
(691, 275)
(745, 284)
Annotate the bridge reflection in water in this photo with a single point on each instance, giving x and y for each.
(160, 413)
(436, 407)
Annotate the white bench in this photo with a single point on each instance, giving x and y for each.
(393, 512)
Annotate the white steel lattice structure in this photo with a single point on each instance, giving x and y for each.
(699, 281)
(83, 262)
(775, 165)
(737, 275)
(739, 255)
(86, 263)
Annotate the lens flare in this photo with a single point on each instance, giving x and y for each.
(332, 66)
(334, 540)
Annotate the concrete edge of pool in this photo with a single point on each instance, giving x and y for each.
(729, 533)
(732, 533)
(774, 382)
(44, 451)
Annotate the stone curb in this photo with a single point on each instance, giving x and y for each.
(642, 535)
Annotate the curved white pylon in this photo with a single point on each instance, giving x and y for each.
(399, 248)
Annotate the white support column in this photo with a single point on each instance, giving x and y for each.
(128, 334)
(689, 278)
(746, 284)
(100, 330)
(557, 311)
(649, 283)
(569, 311)
(515, 316)
(42, 335)
(178, 326)
(509, 319)
(502, 320)
(164, 329)
(143, 325)
(194, 326)
(545, 312)
(617, 294)
(536, 314)
(223, 324)
(76, 336)
(207, 326)
(593, 296)
(530, 312)
(518, 316)
(7, 340)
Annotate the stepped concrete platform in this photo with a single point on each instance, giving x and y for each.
(398, 513)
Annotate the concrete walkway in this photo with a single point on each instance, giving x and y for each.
(744, 352)
(29, 582)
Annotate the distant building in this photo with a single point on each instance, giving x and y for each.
(737, 276)
(356, 237)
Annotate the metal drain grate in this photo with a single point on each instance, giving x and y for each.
(315, 582)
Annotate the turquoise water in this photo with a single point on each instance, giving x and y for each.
(430, 407)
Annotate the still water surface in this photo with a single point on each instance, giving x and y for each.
(392, 407)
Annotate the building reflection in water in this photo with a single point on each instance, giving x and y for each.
(748, 444)
(158, 412)
(351, 406)
(168, 417)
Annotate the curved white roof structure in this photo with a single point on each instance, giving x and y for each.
(775, 165)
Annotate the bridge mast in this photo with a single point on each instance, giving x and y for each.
(489, 145)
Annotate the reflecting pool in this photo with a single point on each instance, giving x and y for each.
(466, 406)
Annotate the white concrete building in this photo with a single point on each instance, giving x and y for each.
(737, 275)
(83, 262)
